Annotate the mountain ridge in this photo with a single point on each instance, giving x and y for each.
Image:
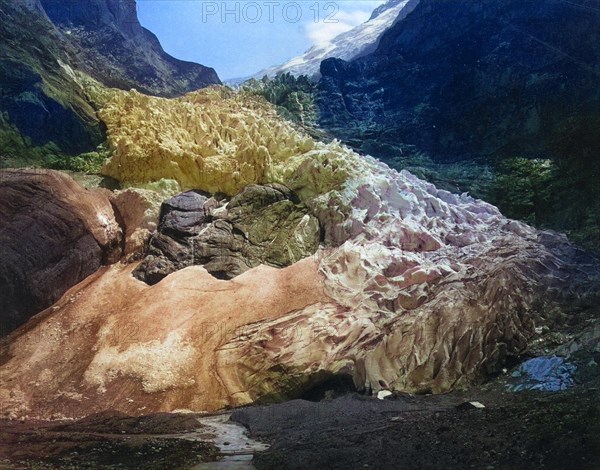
(351, 44)
(46, 46)
(466, 68)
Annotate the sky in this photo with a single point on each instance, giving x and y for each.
(240, 38)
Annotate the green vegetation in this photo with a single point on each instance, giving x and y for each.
(559, 192)
(562, 195)
(17, 151)
(90, 162)
(522, 189)
(576, 183)
(293, 98)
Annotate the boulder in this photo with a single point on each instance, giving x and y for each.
(260, 225)
(54, 234)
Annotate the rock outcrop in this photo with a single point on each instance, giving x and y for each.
(470, 79)
(53, 234)
(260, 225)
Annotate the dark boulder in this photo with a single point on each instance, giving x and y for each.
(260, 225)
(184, 214)
(53, 234)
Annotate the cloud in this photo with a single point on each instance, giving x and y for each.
(322, 33)
(349, 15)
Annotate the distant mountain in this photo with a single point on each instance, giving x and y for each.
(44, 43)
(114, 48)
(358, 41)
(461, 78)
(510, 85)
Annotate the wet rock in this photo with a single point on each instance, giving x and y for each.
(54, 234)
(548, 374)
(183, 223)
(116, 441)
(260, 225)
(166, 255)
(184, 214)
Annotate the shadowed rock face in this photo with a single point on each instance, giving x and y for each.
(41, 117)
(260, 225)
(53, 234)
(470, 78)
(41, 97)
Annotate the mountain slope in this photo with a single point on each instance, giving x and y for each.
(113, 47)
(466, 78)
(39, 91)
(351, 44)
(498, 98)
(41, 66)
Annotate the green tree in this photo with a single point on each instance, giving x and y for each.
(292, 96)
(522, 189)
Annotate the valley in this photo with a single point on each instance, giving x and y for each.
(386, 257)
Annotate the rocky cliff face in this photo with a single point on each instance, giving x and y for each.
(470, 78)
(114, 48)
(45, 48)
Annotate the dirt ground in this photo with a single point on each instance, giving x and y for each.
(528, 430)
(106, 441)
(531, 429)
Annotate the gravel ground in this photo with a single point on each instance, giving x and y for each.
(104, 441)
(528, 430)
